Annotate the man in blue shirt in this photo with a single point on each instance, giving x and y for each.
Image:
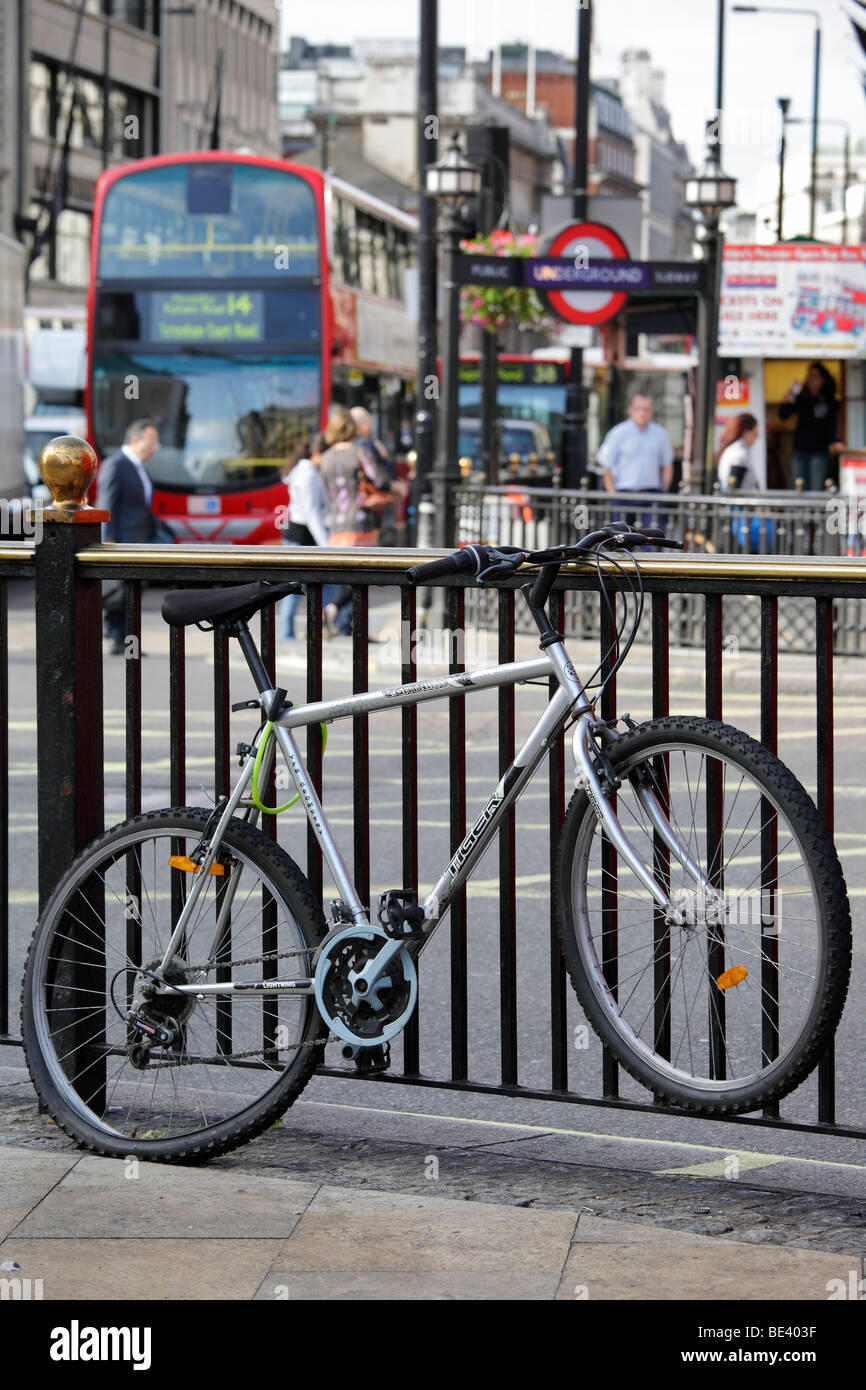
(637, 456)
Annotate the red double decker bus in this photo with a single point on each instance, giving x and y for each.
(214, 311)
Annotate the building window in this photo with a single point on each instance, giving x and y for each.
(60, 100)
(65, 257)
(41, 101)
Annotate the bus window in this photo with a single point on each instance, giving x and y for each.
(241, 220)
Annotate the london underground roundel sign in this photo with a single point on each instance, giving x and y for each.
(587, 243)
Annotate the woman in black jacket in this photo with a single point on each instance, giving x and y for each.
(817, 433)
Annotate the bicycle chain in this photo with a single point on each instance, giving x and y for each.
(226, 1057)
(251, 960)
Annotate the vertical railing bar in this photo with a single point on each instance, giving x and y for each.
(824, 755)
(454, 611)
(361, 744)
(715, 859)
(267, 618)
(132, 654)
(270, 932)
(661, 852)
(314, 751)
(507, 859)
(222, 734)
(769, 841)
(177, 713)
(609, 877)
(315, 866)
(556, 801)
(4, 808)
(409, 773)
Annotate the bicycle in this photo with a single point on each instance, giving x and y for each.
(183, 980)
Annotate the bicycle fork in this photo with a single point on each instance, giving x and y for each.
(583, 749)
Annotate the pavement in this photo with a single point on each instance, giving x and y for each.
(352, 1203)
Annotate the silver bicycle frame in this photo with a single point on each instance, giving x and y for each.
(569, 701)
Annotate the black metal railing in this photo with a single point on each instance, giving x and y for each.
(495, 1014)
(789, 524)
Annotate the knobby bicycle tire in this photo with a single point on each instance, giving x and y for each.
(53, 1002)
(785, 964)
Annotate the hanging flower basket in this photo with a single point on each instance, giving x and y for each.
(493, 309)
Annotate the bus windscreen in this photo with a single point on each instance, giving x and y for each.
(223, 423)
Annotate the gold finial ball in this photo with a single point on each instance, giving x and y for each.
(68, 466)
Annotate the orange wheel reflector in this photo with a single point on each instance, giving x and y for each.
(734, 976)
(182, 861)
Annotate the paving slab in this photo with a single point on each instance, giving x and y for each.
(428, 1286)
(133, 1269)
(371, 1233)
(624, 1260)
(107, 1197)
(25, 1179)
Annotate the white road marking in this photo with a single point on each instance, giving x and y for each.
(585, 1134)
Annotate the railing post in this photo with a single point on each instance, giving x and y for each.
(69, 770)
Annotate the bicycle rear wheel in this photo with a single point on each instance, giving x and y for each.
(234, 1063)
(732, 1009)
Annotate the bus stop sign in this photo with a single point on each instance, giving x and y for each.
(589, 244)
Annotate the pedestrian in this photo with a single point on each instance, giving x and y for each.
(816, 434)
(734, 456)
(354, 500)
(125, 490)
(374, 455)
(753, 528)
(637, 456)
(307, 516)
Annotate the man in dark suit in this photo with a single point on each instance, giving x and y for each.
(125, 490)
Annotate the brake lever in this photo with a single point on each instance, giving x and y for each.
(506, 567)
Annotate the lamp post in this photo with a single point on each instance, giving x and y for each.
(425, 422)
(816, 78)
(574, 455)
(784, 103)
(452, 181)
(709, 192)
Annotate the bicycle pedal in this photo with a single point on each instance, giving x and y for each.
(400, 915)
(369, 1060)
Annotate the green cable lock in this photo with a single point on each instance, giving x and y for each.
(267, 734)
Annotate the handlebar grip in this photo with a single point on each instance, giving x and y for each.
(465, 559)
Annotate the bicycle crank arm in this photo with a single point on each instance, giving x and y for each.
(588, 780)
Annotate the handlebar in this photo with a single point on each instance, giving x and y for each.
(489, 563)
(461, 560)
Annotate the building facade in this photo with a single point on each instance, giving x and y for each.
(108, 81)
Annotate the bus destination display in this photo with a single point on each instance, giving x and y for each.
(208, 316)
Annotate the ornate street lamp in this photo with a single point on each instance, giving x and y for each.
(452, 181)
(710, 191)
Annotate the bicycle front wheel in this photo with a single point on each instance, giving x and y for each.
(731, 1009)
(228, 1065)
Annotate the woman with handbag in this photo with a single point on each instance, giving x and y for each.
(358, 491)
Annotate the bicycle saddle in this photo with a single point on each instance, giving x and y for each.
(184, 606)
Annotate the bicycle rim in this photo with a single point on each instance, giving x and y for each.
(722, 1014)
(232, 1059)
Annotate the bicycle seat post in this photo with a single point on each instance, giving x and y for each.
(247, 643)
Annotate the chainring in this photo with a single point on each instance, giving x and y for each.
(384, 1009)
